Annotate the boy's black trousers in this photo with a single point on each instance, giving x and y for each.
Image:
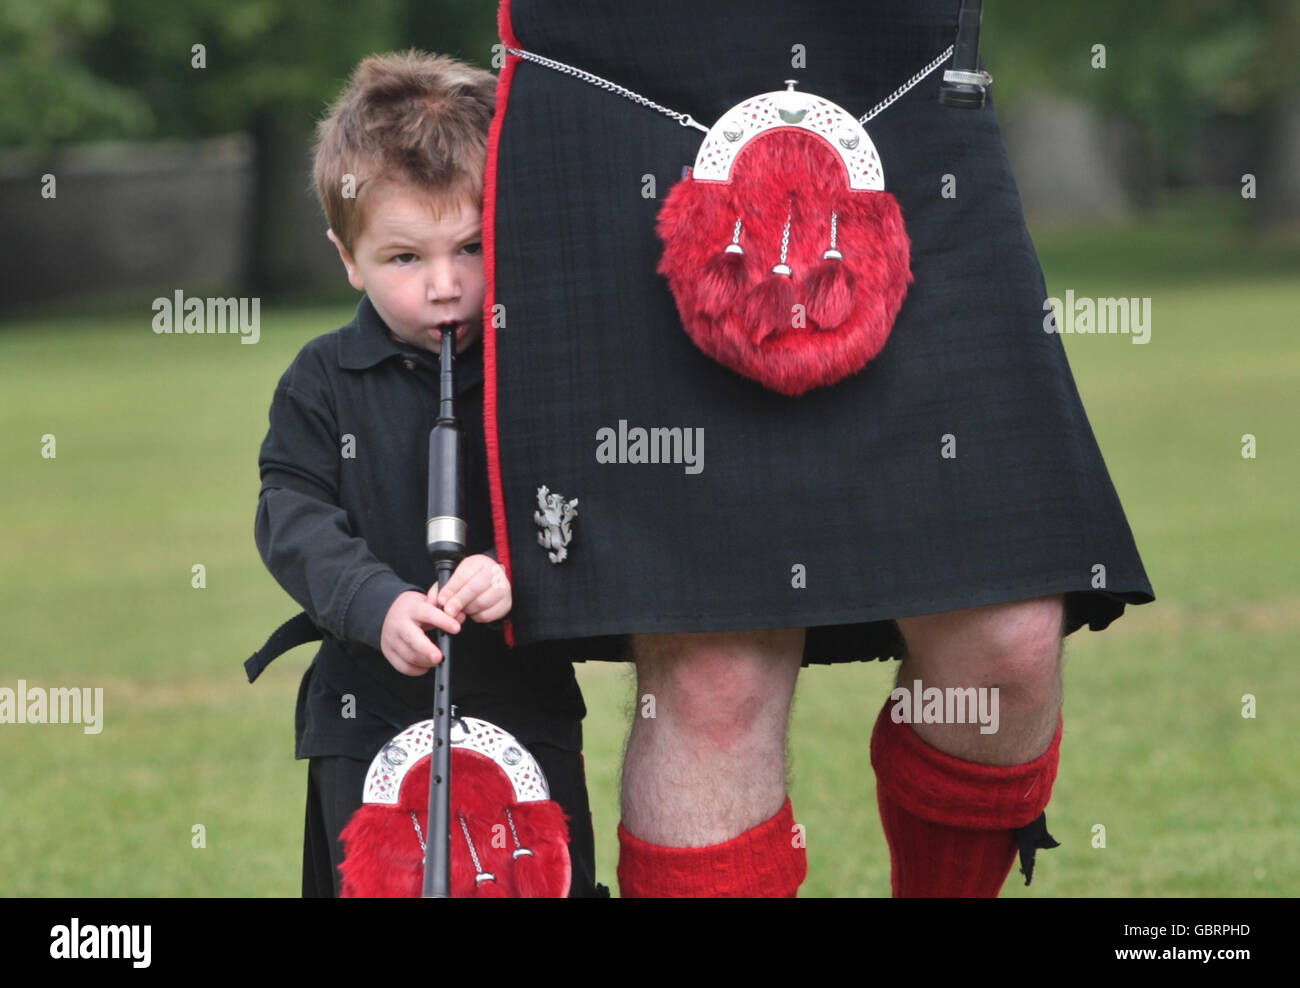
(334, 789)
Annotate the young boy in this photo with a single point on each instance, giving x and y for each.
(340, 520)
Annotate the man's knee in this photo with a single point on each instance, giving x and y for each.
(1016, 645)
(719, 688)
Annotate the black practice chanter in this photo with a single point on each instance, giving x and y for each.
(445, 542)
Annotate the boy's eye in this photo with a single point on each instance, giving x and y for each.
(475, 248)
(408, 254)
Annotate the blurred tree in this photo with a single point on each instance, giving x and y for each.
(79, 69)
(48, 95)
(1170, 66)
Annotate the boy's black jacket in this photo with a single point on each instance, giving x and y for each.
(340, 525)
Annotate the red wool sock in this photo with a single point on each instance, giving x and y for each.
(950, 823)
(767, 861)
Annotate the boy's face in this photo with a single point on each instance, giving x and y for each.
(419, 272)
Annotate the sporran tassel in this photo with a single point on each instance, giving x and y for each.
(530, 877)
(723, 278)
(485, 883)
(828, 288)
(770, 307)
(489, 889)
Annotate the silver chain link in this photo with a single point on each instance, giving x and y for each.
(464, 828)
(520, 850)
(685, 119)
(885, 103)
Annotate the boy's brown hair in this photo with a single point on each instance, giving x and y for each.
(408, 117)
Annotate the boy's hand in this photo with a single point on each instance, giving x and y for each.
(478, 588)
(403, 640)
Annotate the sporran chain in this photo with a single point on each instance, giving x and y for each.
(685, 119)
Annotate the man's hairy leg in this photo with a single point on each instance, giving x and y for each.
(710, 764)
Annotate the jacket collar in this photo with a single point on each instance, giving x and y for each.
(365, 342)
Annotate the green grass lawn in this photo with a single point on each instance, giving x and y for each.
(156, 471)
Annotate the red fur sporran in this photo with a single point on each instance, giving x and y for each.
(827, 317)
(509, 839)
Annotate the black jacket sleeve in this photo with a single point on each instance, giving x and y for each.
(303, 534)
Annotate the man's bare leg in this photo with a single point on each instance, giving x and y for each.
(711, 762)
(708, 770)
(1015, 647)
(956, 804)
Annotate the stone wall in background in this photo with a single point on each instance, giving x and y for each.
(142, 218)
(1068, 165)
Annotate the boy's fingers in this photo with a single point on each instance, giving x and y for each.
(468, 593)
(402, 657)
(423, 652)
(498, 610)
(466, 582)
(489, 598)
(462, 573)
(403, 666)
(428, 615)
(438, 595)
